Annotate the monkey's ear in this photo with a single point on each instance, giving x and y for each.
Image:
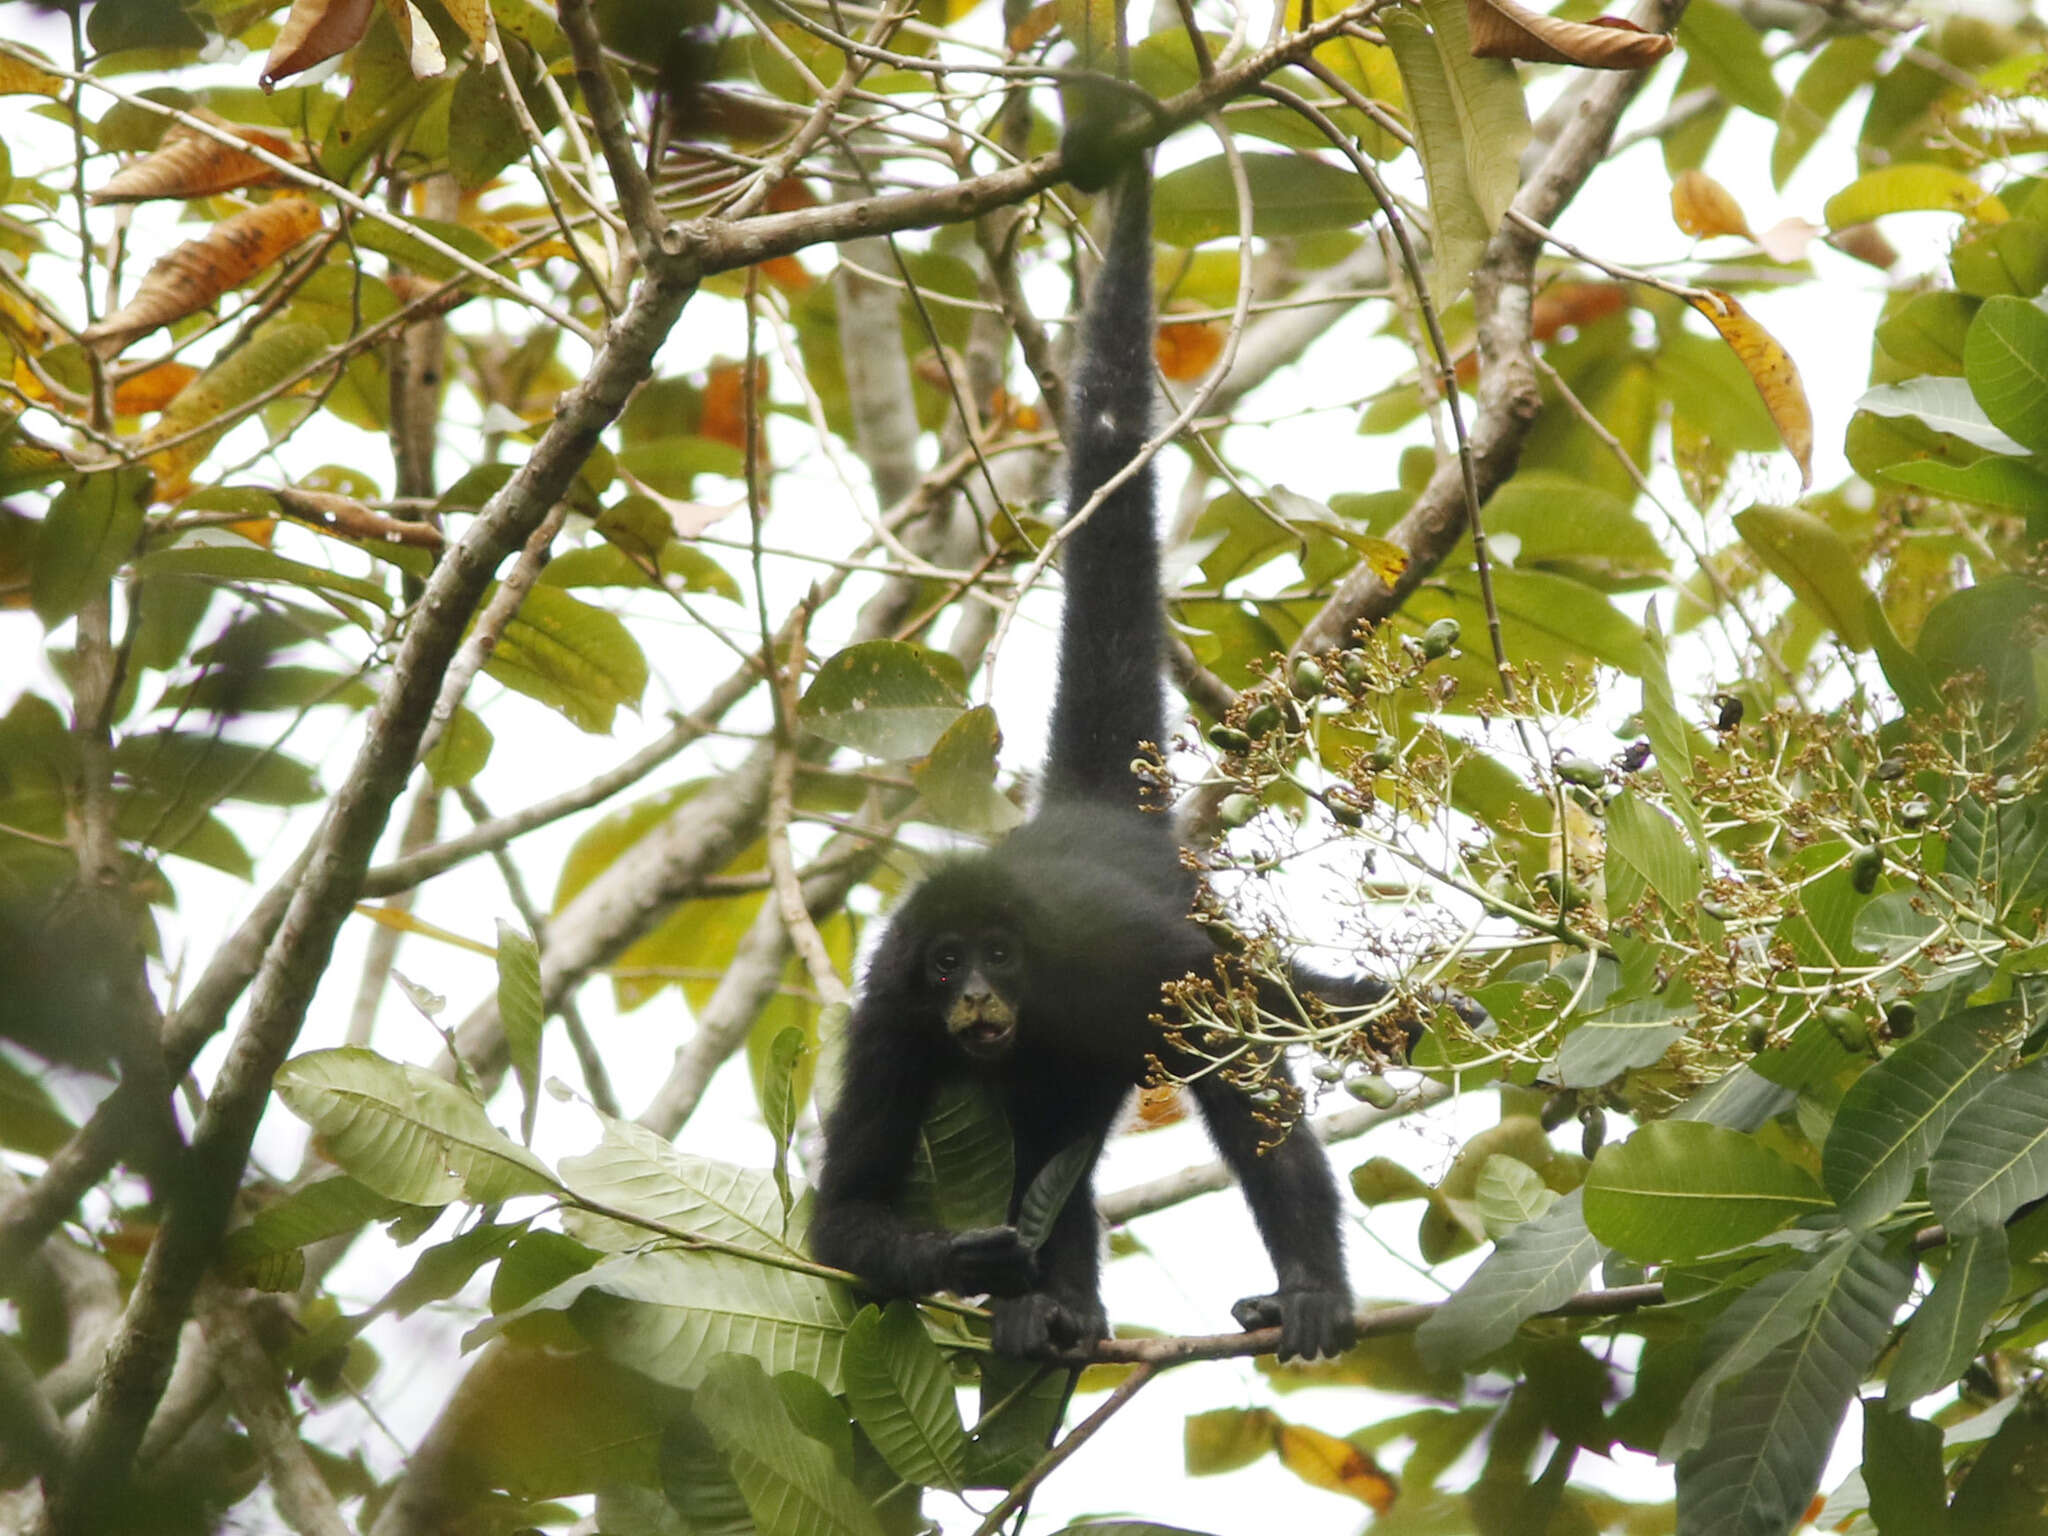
(1103, 114)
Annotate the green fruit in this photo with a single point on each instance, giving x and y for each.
(1343, 808)
(1327, 1072)
(1592, 1133)
(1356, 672)
(1581, 771)
(1376, 1091)
(1236, 810)
(1900, 1020)
(1384, 754)
(1308, 680)
(1228, 738)
(1263, 721)
(1865, 865)
(1755, 1038)
(1849, 1031)
(1438, 639)
(1916, 813)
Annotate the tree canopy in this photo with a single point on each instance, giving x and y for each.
(566, 484)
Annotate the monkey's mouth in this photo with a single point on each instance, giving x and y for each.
(982, 1026)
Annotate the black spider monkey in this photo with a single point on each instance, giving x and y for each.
(1038, 964)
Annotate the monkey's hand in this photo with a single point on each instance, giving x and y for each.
(989, 1261)
(1313, 1322)
(1040, 1324)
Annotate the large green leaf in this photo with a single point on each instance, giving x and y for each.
(1458, 225)
(2005, 359)
(406, 1133)
(789, 1480)
(1629, 1035)
(1731, 52)
(885, 698)
(1942, 405)
(1680, 1191)
(1947, 1333)
(1291, 195)
(1913, 186)
(1643, 838)
(1537, 1266)
(901, 1391)
(1896, 1113)
(1773, 1427)
(635, 1171)
(1994, 1159)
(964, 1167)
(89, 532)
(1903, 1472)
(1816, 562)
(577, 659)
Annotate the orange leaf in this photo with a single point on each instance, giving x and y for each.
(1324, 1461)
(1772, 370)
(315, 30)
(1187, 349)
(1562, 305)
(1701, 206)
(723, 415)
(188, 163)
(200, 271)
(1036, 27)
(152, 389)
(1502, 29)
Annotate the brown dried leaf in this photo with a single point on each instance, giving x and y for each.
(188, 163)
(350, 519)
(315, 30)
(1565, 304)
(200, 271)
(1323, 1461)
(1772, 370)
(1501, 29)
(1701, 206)
(1866, 242)
(1188, 349)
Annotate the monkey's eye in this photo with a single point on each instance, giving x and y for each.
(946, 958)
(998, 951)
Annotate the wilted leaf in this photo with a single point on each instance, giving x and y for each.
(1701, 206)
(1323, 1461)
(152, 389)
(200, 271)
(1502, 29)
(1865, 242)
(1187, 349)
(315, 30)
(1772, 369)
(19, 77)
(189, 163)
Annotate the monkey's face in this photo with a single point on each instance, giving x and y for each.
(977, 978)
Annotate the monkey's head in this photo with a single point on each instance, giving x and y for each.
(976, 976)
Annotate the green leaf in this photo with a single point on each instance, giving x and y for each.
(1842, 67)
(1773, 1427)
(1051, 1188)
(779, 1099)
(2006, 483)
(884, 698)
(1896, 1113)
(697, 1481)
(1671, 736)
(635, 1171)
(964, 1167)
(1626, 1037)
(1510, 1194)
(523, 1015)
(200, 768)
(1927, 334)
(1994, 1159)
(1903, 1472)
(231, 564)
(1942, 405)
(89, 532)
(2001, 1493)
(1681, 1191)
(1912, 186)
(1291, 195)
(459, 756)
(1440, 98)
(1815, 562)
(901, 1390)
(1731, 52)
(579, 660)
(958, 779)
(1539, 1265)
(326, 1208)
(1644, 838)
(2005, 358)
(789, 1481)
(2008, 258)
(1947, 1333)
(405, 1132)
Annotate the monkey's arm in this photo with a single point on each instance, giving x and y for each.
(870, 1136)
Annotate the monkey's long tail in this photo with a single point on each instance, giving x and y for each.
(1112, 633)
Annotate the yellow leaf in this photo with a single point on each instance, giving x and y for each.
(1773, 372)
(1324, 1461)
(474, 17)
(1701, 206)
(20, 77)
(1915, 186)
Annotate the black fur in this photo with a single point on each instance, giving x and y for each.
(1087, 906)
